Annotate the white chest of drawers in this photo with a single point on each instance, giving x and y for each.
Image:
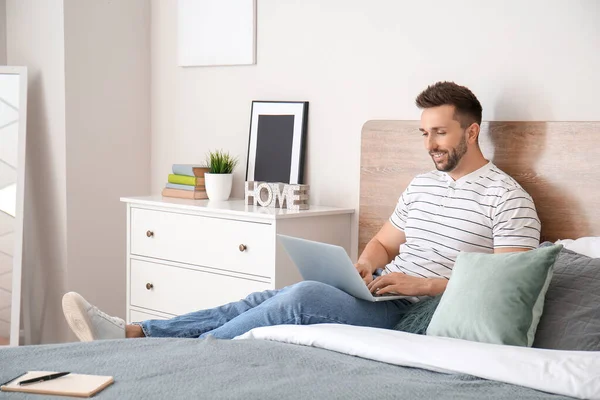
(187, 255)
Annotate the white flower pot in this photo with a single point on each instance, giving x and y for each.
(218, 186)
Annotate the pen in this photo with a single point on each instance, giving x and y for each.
(43, 378)
(17, 377)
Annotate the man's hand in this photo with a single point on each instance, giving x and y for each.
(380, 251)
(365, 271)
(399, 283)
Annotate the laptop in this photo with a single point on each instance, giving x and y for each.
(329, 264)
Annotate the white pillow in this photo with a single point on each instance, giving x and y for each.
(588, 246)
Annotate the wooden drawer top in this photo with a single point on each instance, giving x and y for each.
(233, 208)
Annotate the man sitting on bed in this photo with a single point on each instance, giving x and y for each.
(466, 204)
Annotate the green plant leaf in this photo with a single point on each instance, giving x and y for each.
(221, 162)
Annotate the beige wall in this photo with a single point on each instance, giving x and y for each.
(36, 39)
(88, 144)
(107, 59)
(356, 60)
(2, 32)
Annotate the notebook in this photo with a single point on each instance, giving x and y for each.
(76, 385)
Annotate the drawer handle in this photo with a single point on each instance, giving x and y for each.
(149, 233)
(242, 247)
(149, 286)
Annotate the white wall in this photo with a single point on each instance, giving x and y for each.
(88, 145)
(356, 60)
(107, 59)
(36, 39)
(2, 32)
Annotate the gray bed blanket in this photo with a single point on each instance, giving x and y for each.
(244, 369)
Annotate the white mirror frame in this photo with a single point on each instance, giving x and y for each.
(15, 321)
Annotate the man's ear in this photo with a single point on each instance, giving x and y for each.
(473, 133)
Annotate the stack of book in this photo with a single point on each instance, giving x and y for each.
(186, 182)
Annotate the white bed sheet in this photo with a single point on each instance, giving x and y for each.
(570, 373)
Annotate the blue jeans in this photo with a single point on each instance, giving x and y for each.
(303, 303)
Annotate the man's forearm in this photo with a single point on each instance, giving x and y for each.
(374, 255)
(436, 286)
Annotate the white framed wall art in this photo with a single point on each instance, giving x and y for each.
(216, 32)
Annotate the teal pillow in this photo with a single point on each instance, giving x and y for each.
(495, 298)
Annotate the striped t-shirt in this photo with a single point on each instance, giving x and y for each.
(440, 217)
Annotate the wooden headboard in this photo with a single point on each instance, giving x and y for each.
(558, 163)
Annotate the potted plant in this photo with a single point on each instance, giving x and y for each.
(220, 178)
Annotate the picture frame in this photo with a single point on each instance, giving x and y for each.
(216, 32)
(276, 146)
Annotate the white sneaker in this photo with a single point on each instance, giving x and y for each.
(88, 322)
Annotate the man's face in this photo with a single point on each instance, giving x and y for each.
(443, 137)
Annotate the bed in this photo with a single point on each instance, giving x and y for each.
(553, 161)
(250, 369)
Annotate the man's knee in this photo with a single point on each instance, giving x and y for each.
(309, 289)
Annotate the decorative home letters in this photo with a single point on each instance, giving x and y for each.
(277, 195)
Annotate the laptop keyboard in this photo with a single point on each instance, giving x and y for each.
(384, 295)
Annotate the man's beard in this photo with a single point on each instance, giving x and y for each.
(454, 156)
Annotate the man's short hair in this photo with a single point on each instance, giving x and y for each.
(467, 108)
